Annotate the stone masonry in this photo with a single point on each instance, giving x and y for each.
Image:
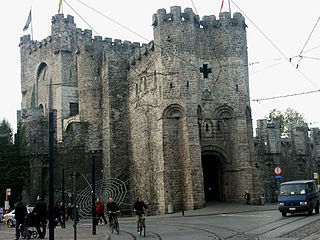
(171, 118)
(297, 154)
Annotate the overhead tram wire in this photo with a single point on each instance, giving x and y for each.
(96, 32)
(196, 67)
(137, 34)
(309, 36)
(80, 17)
(274, 45)
(159, 46)
(212, 48)
(245, 95)
(285, 96)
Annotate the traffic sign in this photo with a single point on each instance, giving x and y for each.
(277, 170)
(277, 176)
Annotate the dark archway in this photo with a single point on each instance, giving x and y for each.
(212, 165)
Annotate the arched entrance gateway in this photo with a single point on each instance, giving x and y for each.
(213, 164)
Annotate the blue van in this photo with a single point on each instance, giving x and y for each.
(298, 197)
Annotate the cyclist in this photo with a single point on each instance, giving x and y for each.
(113, 209)
(139, 208)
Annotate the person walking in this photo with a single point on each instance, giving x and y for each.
(58, 213)
(69, 212)
(1, 214)
(20, 215)
(247, 197)
(100, 211)
(40, 213)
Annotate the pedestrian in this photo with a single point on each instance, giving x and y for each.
(69, 212)
(40, 213)
(62, 212)
(58, 214)
(100, 211)
(247, 197)
(20, 216)
(1, 214)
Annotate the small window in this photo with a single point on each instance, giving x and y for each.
(74, 109)
(145, 83)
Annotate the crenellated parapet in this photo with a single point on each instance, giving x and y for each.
(142, 52)
(177, 16)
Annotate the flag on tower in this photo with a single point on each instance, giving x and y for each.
(28, 22)
(221, 5)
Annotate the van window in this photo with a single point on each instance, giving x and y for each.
(310, 187)
(292, 189)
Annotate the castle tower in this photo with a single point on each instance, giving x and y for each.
(190, 105)
(171, 118)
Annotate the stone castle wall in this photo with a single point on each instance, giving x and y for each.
(151, 113)
(295, 153)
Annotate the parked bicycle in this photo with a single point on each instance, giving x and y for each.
(113, 222)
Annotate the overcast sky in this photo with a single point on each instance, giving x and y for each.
(286, 23)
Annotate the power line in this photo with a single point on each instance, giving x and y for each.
(309, 36)
(285, 96)
(221, 69)
(274, 45)
(81, 17)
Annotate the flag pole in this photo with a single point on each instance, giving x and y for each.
(229, 7)
(31, 25)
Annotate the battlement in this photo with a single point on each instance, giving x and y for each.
(61, 18)
(139, 53)
(177, 16)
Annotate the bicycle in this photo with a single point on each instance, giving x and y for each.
(113, 222)
(141, 223)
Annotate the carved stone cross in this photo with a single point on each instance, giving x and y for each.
(205, 70)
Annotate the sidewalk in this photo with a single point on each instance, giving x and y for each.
(84, 228)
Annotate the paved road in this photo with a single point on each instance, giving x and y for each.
(217, 221)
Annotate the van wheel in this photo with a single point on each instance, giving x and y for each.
(317, 207)
(284, 214)
(310, 211)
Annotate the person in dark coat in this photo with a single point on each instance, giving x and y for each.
(113, 209)
(69, 212)
(20, 215)
(139, 208)
(247, 197)
(58, 213)
(40, 213)
(62, 212)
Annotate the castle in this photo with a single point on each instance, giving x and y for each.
(171, 118)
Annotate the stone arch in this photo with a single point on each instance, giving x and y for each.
(224, 116)
(174, 111)
(175, 156)
(213, 160)
(42, 86)
(224, 112)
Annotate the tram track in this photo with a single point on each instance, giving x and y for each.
(279, 227)
(127, 235)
